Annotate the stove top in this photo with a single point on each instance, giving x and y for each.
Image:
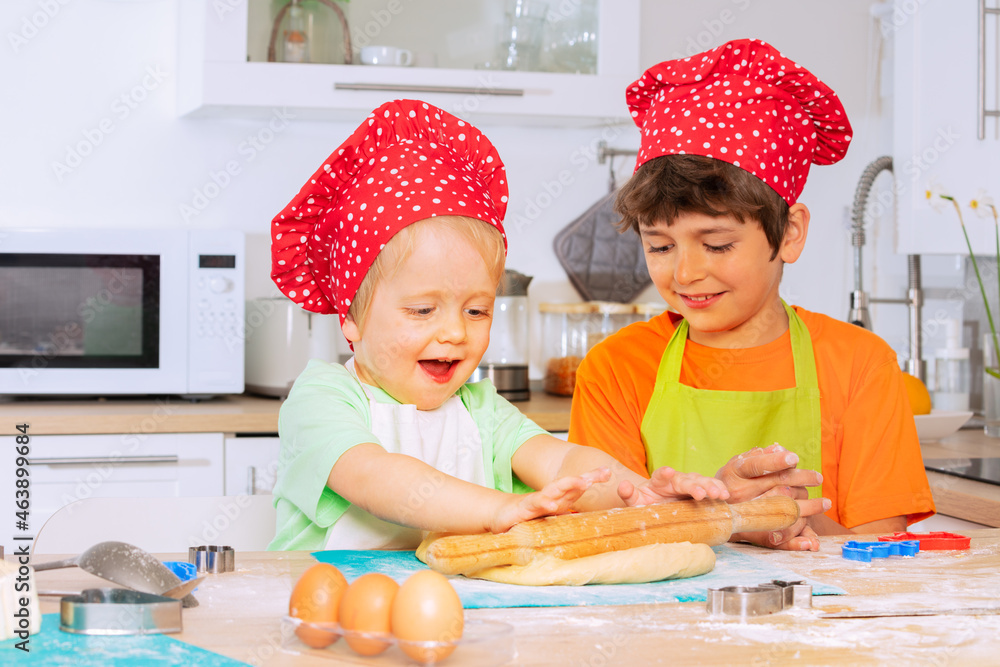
(981, 470)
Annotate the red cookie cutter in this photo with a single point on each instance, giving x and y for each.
(931, 541)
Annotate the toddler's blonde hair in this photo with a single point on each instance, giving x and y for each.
(481, 235)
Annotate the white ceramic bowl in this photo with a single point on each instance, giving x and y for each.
(940, 423)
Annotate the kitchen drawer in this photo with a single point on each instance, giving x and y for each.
(66, 468)
(251, 464)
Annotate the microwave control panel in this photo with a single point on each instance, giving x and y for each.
(217, 332)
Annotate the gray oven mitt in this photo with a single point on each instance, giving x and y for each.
(602, 264)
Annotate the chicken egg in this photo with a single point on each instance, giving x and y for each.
(427, 609)
(365, 608)
(315, 599)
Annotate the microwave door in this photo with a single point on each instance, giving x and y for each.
(81, 311)
(81, 323)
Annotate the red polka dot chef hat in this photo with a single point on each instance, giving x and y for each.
(408, 161)
(743, 103)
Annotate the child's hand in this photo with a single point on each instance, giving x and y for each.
(556, 497)
(758, 471)
(668, 484)
(800, 536)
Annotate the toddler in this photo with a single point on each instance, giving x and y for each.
(400, 233)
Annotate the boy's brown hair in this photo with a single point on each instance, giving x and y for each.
(666, 186)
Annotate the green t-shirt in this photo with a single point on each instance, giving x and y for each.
(327, 413)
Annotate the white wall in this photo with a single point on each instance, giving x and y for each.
(100, 74)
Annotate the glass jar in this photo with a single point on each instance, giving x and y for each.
(567, 332)
(613, 316)
(571, 38)
(520, 36)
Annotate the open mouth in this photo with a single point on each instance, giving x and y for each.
(700, 300)
(440, 370)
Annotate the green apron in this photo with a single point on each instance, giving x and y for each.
(699, 430)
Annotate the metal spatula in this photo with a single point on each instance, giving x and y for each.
(126, 565)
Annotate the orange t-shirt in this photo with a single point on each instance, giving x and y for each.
(872, 467)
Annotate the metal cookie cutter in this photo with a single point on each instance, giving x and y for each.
(745, 601)
(794, 594)
(931, 541)
(865, 551)
(118, 611)
(214, 559)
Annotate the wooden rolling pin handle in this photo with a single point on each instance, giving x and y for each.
(771, 513)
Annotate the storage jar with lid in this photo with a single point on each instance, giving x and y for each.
(612, 316)
(567, 332)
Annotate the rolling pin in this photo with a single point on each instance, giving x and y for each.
(568, 536)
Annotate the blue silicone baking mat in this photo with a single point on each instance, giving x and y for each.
(732, 568)
(52, 648)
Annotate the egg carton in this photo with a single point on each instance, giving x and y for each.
(483, 644)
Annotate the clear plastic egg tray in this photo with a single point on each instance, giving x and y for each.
(483, 644)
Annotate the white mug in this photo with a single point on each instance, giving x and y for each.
(386, 55)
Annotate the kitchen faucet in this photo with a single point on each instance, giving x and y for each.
(859, 298)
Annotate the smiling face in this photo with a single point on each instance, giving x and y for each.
(720, 274)
(428, 323)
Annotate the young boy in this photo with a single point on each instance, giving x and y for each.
(399, 233)
(727, 140)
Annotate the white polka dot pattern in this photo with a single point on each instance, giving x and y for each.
(743, 103)
(408, 161)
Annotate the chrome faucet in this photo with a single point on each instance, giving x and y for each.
(859, 314)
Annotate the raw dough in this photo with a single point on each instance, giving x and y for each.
(651, 562)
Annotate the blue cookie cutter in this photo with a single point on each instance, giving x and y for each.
(865, 551)
(184, 571)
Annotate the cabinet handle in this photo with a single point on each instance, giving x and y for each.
(251, 480)
(457, 90)
(983, 111)
(94, 460)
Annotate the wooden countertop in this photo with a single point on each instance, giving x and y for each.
(239, 616)
(964, 498)
(227, 414)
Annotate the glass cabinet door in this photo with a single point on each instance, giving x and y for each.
(507, 35)
(563, 62)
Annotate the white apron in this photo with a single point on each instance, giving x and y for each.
(446, 438)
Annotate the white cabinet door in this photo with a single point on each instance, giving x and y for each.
(216, 76)
(66, 468)
(936, 106)
(251, 465)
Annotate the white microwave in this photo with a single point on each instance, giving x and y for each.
(121, 311)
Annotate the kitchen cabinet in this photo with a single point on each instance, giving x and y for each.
(942, 53)
(223, 43)
(66, 468)
(251, 464)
